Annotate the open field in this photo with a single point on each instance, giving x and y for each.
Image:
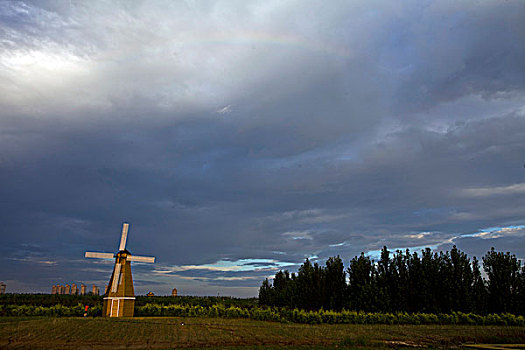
(164, 333)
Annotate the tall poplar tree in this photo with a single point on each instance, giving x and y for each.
(503, 281)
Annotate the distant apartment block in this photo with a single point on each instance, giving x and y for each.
(73, 289)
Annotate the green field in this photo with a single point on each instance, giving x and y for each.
(169, 333)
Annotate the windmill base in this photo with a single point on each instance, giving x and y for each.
(118, 307)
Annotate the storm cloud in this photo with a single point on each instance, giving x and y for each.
(238, 138)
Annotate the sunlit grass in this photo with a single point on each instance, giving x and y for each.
(167, 332)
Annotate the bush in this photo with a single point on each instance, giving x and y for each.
(272, 314)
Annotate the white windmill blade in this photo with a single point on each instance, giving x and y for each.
(99, 255)
(124, 236)
(116, 278)
(148, 259)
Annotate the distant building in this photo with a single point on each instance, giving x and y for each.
(95, 290)
(72, 289)
(3, 286)
(150, 294)
(174, 292)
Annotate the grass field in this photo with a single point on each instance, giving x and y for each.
(169, 333)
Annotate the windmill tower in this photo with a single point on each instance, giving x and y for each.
(119, 300)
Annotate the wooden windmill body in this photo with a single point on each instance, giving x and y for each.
(119, 299)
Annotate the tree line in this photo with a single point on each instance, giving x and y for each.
(48, 300)
(404, 282)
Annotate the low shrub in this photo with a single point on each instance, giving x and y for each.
(273, 314)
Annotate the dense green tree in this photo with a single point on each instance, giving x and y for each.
(399, 282)
(306, 286)
(404, 281)
(456, 281)
(520, 307)
(265, 293)
(361, 285)
(462, 280)
(335, 284)
(502, 270)
(431, 282)
(479, 290)
(384, 280)
(319, 287)
(279, 289)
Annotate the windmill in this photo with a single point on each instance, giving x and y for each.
(119, 298)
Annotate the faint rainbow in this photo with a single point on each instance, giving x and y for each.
(262, 38)
(180, 43)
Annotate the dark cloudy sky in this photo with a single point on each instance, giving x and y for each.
(240, 137)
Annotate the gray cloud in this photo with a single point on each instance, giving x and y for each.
(234, 131)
